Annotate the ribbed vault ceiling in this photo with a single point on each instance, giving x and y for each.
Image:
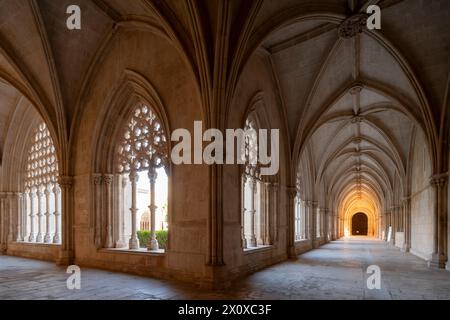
(352, 110)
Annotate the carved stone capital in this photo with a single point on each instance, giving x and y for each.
(439, 180)
(134, 177)
(97, 178)
(292, 192)
(152, 175)
(65, 182)
(353, 25)
(56, 189)
(108, 179)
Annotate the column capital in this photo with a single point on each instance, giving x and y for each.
(56, 189)
(10, 195)
(108, 179)
(439, 180)
(97, 178)
(133, 176)
(65, 182)
(292, 192)
(152, 175)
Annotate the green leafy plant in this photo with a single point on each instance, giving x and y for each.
(161, 236)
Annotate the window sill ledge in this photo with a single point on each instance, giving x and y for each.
(258, 249)
(302, 241)
(25, 243)
(143, 251)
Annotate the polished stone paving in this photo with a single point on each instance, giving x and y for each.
(334, 271)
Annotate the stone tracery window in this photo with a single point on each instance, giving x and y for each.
(254, 202)
(142, 162)
(42, 223)
(318, 216)
(300, 215)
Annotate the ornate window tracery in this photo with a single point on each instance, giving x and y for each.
(300, 214)
(142, 163)
(42, 223)
(256, 211)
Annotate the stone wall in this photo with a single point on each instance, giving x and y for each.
(421, 201)
(171, 77)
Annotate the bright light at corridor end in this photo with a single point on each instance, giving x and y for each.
(359, 200)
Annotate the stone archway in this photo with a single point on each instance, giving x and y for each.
(360, 224)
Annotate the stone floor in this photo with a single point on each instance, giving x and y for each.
(335, 271)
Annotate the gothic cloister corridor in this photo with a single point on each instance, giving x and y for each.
(335, 271)
(225, 149)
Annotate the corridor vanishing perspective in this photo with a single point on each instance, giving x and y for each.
(114, 117)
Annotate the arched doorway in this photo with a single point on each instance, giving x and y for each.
(360, 224)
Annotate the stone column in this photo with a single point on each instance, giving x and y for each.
(123, 186)
(393, 225)
(97, 179)
(394, 220)
(439, 256)
(407, 223)
(275, 224)
(319, 221)
(296, 230)
(327, 223)
(252, 212)
(313, 224)
(265, 235)
(302, 220)
(2, 224)
(299, 217)
(108, 180)
(387, 224)
(152, 244)
(57, 214)
(32, 195)
(308, 224)
(40, 215)
(243, 213)
(11, 217)
(20, 221)
(47, 193)
(381, 224)
(134, 241)
(292, 193)
(403, 210)
(67, 223)
(268, 204)
(24, 212)
(316, 213)
(332, 225)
